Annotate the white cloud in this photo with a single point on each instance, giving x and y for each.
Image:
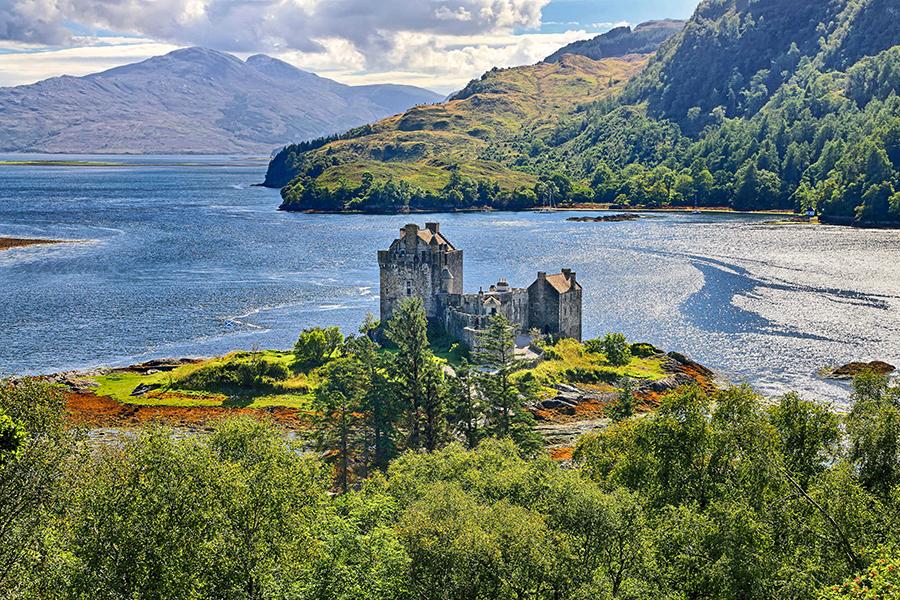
(23, 68)
(439, 44)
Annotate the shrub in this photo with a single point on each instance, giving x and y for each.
(255, 373)
(644, 350)
(316, 345)
(616, 349)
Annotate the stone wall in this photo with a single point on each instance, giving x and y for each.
(543, 306)
(570, 314)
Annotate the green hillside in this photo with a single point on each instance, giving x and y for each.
(764, 104)
(458, 153)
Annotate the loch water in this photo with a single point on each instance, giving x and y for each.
(182, 256)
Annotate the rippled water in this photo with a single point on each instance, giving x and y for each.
(194, 261)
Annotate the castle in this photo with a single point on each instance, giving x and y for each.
(423, 263)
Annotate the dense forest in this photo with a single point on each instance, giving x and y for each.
(771, 104)
(426, 485)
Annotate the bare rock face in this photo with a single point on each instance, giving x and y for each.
(852, 369)
(192, 100)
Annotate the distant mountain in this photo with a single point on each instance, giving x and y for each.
(759, 104)
(191, 101)
(643, 39)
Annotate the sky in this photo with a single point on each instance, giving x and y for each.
(437, 44)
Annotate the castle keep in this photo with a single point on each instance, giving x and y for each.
(423, 263)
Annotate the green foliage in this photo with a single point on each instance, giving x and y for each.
(316, 345)
(505, 398)
(712, 496)
(12, 438)
(809, 435)
(624, 406)
(254, 373)
(614, 346)
(873, 428)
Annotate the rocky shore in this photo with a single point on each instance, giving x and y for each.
(576, 410)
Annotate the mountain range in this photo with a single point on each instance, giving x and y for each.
(192, 100)
(761, 104)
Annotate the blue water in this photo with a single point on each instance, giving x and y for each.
(177, 261)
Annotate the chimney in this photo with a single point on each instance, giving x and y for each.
(541, 275)
(569, 274)
(433, 227)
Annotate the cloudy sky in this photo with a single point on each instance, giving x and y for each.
(439, 44)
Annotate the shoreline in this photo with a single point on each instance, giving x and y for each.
(561, 209)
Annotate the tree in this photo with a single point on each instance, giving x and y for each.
(379, 404)
(809, 434)
(615, 347)
(495, 352)
(38, 451)
(408, 330)
(624, 406)
(12, 438)
(873, 428)
(316, 345)
(467, 411)
(339, 401)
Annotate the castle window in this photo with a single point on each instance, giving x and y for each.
(409, 288)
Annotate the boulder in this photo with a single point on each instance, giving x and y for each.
(144, 388)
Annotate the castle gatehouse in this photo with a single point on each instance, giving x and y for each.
(423, 263)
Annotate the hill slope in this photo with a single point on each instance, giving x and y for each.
(643, 39)
(479, 135)
(190, 101)
(763, 104)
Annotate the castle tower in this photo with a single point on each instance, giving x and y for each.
(422, 263)
(554, 304)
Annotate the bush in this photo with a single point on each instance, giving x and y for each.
(616, 349)
(316, 345)
(254, 374)
(614, 346)
(644, 350)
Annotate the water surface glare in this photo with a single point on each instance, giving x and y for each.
(192, 260)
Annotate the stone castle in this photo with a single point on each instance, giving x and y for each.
(423, 263)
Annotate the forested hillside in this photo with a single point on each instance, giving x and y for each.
(770, 104)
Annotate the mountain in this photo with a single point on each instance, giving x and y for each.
(643, 39)
(754, 104)
(191, 101)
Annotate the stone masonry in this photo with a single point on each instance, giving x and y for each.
(423, 263)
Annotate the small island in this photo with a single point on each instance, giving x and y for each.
(8, 243)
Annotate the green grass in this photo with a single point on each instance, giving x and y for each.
(295, 392)
(576, 366)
